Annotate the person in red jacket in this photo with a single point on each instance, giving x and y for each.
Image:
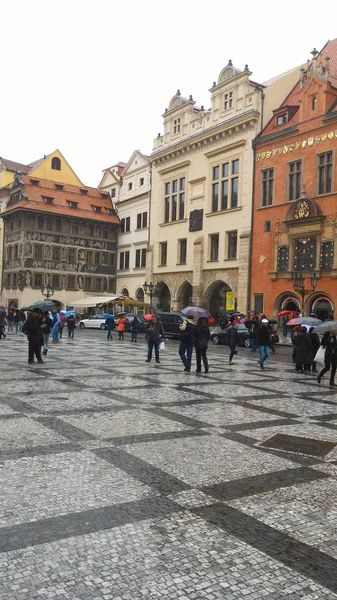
(121, 328)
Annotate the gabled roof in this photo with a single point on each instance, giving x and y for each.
(11, 165)
(147, 159)
(34, 199)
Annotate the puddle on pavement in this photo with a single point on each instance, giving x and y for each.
(301, 445)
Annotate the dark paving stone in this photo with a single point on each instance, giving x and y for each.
(206, 399)
(303, 445)
(265, 409)
(65, 429)
(172, 416)
(240, 438)
(300, 459)
(12, 416)
(327, 417)
(154, 437)
(280, 546)
(260, 424)
(39, 451)
(89, 521)
(258, 484)
(19, 405)
(142, 471)
(89, 410)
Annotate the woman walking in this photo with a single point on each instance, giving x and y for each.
(121, 328)
(202, 336)
(304, 357)
(329, 342)
(46, 327)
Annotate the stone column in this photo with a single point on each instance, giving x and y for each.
(197, 283)
(243, 270)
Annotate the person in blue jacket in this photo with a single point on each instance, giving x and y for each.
(110, 325)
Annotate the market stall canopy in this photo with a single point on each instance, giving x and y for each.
(90, 301)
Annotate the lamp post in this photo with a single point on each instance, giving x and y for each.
(299, 286)
(149, 290)
(48, 292)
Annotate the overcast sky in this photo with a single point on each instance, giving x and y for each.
(93, 77)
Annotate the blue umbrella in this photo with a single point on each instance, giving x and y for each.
(107, 316)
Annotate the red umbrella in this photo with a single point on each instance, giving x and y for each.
(148, 317)
(283, 313)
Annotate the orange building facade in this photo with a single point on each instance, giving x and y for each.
(294, 239)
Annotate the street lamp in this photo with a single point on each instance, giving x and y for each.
(48, 292)
(299, 286)
(149, 290)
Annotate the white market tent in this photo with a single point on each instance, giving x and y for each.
(91, 301)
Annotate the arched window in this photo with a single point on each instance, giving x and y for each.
(314, 103)
(124, 292)
(56, 164)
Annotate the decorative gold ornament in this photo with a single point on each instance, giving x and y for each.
(311, 141)
(302, 210)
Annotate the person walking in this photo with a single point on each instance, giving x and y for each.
(233, 341)
(2, 325)
(10, 321)
(304, 355)
(56, 326)
(202, 335)
(263, 341)
(135, 325)
(46, 327)
(121, 328)
(71, 324)
(252, 336)
(211, 321)
(187, 329)
(154, 330)
(285, 327)
(32, 328)
(314, 339)
(63, 319)
(329, 342)
(110, 326)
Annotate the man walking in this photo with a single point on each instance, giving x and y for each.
(329, 342)
(71, 324)
(32, 328)
(154, 330)
(233, 341)
(187, 329)
(56, 327)
(263, 341)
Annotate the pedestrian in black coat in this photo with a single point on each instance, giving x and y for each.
(32, 328)
(202, 335)
(304, 355)
(329, 342)
(314, 338)
(232, 340)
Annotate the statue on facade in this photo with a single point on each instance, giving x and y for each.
(28, 278)
(80, 281)
(64, 282)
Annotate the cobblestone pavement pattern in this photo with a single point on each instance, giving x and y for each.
(124, 480)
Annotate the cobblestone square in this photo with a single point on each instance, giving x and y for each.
(130, 481)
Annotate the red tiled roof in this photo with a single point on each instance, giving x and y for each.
(11, 165)
(70, 193)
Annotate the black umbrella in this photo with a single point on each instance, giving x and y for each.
(42, 305)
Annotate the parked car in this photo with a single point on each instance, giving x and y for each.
(219, 336)
(94, 322)
(128, 320)
(171, 322)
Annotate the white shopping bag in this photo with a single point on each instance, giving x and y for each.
(161, 346)
(320, 355)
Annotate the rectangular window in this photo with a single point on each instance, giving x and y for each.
(14, 280)
(38, 279)
(226, 183)
(72, 255)
(141, 181)
(38, 252)
(98, 284)
(40, 223)
(56, 253)
(83, 192)
(121, 261)
(122, 225)
(281, 119)
(267, 227)
(71, 282)
(258, 304)
(174, 201)
(144, 220)
(74, 229)
(214, 246)
(98, 259)
(130, 186)
(163, 254)
(127, 259)
(182, 251)
(124, 260)
(113, 193)
(72, 204)
(305, 254)
(325, 173)
(228, 100)
(267, 181)
(56, 282)
(139, 221)
(143, 258)
(137, 261)
(176, 125)
(283, 259)
(127, 224)
(88, 284)
(327, 256)
(232, 242)
(111, 286)
(294, 179)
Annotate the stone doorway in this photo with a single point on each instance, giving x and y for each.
(185, 295)
(216, 299)
(162, 298)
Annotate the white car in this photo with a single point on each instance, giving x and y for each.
(94, 322)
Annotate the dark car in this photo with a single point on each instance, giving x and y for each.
(171, 322)
(128, 321)
(219, 336)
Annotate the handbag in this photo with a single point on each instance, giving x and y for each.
(161, 346)
(320, 355)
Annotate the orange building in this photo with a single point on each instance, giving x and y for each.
(294, 239)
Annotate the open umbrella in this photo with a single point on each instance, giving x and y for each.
(148, 317)
(42, 305)
(326, 326)
(304, 321)
(195, 311)
(121, 314)
(284, 313)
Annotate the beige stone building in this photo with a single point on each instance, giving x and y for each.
(202, 173)
(131, 197)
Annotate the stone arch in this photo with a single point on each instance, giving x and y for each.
(321, 305)
(184, 295)
(214, 298)
(162, 297)
(287, 301)
(124, 291)
(140, 294)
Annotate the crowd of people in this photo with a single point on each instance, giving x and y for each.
(194, 335)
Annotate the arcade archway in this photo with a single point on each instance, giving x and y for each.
(287, 301)
(322, 307)
(140, 295)
(184, 295)
(218, 299)
(162, 298)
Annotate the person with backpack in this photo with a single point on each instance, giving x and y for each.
(187, 339)
(135, 325)
(110, 326)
